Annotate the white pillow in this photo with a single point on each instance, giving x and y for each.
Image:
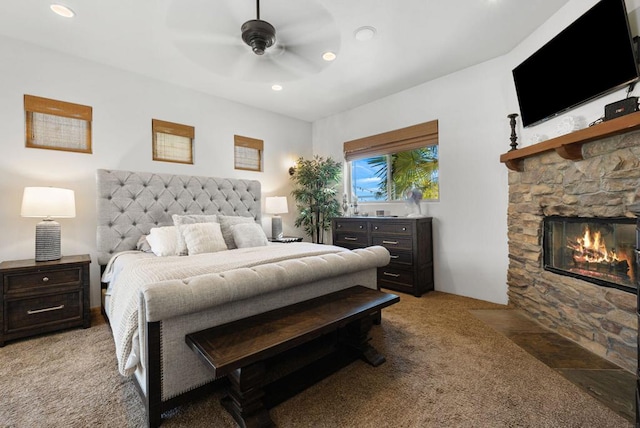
(180, 220)
(226, 221)
(203, 238)
(249, 235)
(163, 240)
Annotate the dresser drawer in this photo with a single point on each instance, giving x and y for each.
(391, 242)
(351, 226)
(351, 239)
(44, 310)
(391, 275)
(402, 258)
(392, 227)
(18, 282)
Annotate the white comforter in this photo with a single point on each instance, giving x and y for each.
(127, 275)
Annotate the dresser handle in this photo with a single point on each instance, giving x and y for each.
(45, 279)
(395, 275)
(390, 242)
(393, 257)
(348, 238)
(38, 311)
(404, 229)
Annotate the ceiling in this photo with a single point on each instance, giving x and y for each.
(198, 44)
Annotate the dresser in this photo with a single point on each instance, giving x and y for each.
(409, 241)
(41, 297)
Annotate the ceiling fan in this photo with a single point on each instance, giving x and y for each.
(258, 34)
(206, 32)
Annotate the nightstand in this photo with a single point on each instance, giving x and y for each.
(286, 239)
(41, 297)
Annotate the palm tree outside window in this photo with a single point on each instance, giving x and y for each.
(390, 177)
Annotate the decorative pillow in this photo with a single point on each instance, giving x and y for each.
(203, 238)
(226, 221)
(180, 220)
(249, 235)
(143, 244)
(163, 240)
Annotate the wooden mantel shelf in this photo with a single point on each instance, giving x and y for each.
(569, 146)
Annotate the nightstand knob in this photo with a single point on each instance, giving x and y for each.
(45, 279)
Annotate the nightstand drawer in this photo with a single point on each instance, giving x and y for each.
(43, 278)
(44, 310)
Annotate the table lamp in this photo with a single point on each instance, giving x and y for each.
(276, 205)
(48, 203)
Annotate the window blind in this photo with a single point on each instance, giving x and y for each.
(172, 142)
(399, 140)
(248, 153)
(57, 125)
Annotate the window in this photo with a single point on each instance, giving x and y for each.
(57, 125)
(172, 142)
(248, 153)
(385, 167)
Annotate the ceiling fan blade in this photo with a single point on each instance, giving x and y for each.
(181, 38)
(300, 65)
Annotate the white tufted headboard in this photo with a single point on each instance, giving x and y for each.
(131, 203)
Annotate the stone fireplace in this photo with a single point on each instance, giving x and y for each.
(559, 184)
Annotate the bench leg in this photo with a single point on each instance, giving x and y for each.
(356, 336)
(244, 401)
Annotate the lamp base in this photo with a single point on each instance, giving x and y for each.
(48, 241)
(276, 227)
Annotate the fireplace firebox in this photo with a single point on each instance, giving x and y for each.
(597, 250)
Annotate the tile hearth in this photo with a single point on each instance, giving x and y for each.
(605, 381)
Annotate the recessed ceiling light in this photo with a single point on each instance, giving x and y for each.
(328, 56)
(62, 10)
(365, 33)
(276, 87)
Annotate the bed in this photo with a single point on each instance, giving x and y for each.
(179, 254)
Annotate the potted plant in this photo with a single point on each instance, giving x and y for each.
(316, 181)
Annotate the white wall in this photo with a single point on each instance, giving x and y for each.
(470, 220)
(123, 106)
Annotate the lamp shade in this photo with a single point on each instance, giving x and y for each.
(276, 205)
(48, 202)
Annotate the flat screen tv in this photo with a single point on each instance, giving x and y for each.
(590, 58)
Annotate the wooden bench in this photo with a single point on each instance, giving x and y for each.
(240, 349)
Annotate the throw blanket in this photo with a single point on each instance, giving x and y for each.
(128, 280)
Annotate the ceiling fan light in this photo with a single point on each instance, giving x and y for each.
(258, 34)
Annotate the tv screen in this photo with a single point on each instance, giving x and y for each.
(591, 57)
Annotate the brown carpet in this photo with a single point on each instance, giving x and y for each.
(445, 368)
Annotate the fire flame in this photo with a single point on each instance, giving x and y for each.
(592, 249)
